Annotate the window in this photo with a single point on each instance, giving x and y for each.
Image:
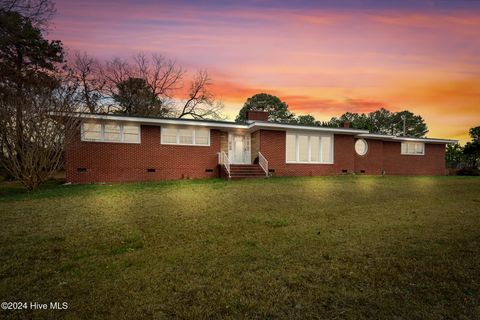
(169, 135)
(413, 148)
(185, 136)
(315, 148)
(361, 147)
(201, 136)
(92, 131)
(327, 149)
(309, 148)
(131, 133)
(110, 132)
(291, 148)
(303, 146)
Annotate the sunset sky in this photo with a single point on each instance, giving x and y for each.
(321, 57)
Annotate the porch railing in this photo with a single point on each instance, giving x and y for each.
(262, 161)
(225, 161)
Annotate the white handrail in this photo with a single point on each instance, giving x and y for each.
(223, 158)
(262, 161)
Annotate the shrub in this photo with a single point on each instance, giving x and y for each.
(468, 172)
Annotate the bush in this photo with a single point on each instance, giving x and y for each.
(468, 172)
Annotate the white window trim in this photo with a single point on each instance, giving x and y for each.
(366, 147)
(178, 137)
(412, 154)
(102, 134)
(297, 148)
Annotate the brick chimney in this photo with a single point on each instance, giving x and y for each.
(257, 115)
(346, 124)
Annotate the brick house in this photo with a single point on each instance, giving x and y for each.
(115, 148)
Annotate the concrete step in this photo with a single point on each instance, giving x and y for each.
(246, 171)
(244, 166)
(246, 177)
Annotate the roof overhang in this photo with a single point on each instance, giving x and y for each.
(256, 125)
(157, 121)
(400, 139)
(250, 125)
(279, 126)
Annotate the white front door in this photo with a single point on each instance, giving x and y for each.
(238, 149)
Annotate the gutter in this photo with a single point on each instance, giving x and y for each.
(385, 137)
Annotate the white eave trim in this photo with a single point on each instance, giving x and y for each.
(375, 136)
(395, 138)
(427, 140)
(269, 125)
(164, 121)
(249, 126)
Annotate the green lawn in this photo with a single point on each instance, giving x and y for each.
(353, 247)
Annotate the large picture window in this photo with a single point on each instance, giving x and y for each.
(110, 132)
(185, 136)
(309, 148)
(413, 148)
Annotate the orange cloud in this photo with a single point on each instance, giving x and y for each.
(332, 107)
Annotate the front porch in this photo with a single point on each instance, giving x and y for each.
(240, 156)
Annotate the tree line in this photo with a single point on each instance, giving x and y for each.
(382, 121)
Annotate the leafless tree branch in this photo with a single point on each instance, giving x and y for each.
(40, 12)
(87, 71)
(200, 103)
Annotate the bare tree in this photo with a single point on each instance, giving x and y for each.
(114, 72)
(162, 77)
(200, 103)
(87, 71)
(40, 12)
(165, 80)
(34, 155)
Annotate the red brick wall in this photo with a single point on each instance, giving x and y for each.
(386, 155)
(257, 115)
(372, 161)
(272, 146)
(117, 162)
(432, 163)
(381, 155)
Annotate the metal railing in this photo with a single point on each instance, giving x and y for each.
(262, 161)
(225, 161)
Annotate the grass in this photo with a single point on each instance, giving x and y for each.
(319, 247)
